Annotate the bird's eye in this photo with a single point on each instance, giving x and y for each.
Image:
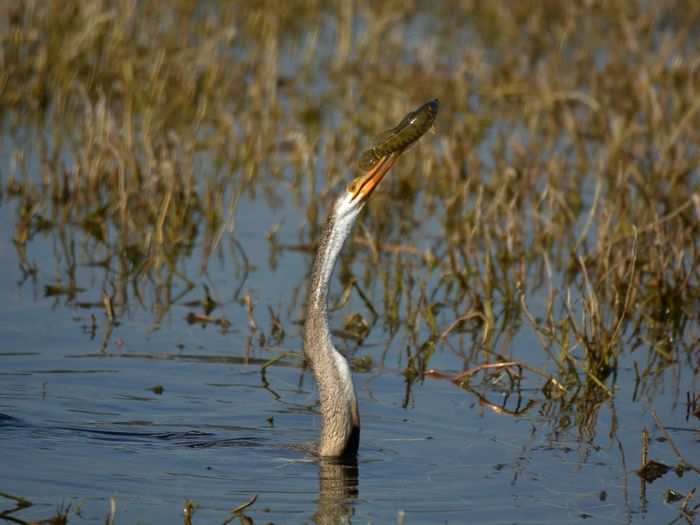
(355, 186)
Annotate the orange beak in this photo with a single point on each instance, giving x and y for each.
(363, 186)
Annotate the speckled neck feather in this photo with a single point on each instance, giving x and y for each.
(340, 419)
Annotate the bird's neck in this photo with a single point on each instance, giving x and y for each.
(331, 240)
(340, 421)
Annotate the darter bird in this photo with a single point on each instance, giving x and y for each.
(340, 418)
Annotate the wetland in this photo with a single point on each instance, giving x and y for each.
(519, 301)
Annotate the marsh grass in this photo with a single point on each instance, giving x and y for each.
(20, 504)
(559, 194)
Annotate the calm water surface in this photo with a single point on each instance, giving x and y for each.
(80, 423)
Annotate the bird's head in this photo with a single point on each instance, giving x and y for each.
(357, 193)
(376, 161)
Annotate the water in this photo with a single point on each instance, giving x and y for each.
(155, 412)
(81, 423)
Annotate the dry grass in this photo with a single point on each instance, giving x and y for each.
(560, 194)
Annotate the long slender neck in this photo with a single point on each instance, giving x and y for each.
(333, 236)
(340, 420)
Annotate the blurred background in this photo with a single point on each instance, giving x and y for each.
(164, 172)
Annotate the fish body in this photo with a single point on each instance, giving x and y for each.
(410, 129)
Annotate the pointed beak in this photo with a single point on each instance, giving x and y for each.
(365, 184)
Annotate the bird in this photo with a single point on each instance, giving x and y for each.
(340, 417)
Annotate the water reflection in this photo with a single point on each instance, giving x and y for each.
(338, 488)
(337, 494)
(148, 175)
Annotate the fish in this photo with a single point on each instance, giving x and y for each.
(395, 140)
